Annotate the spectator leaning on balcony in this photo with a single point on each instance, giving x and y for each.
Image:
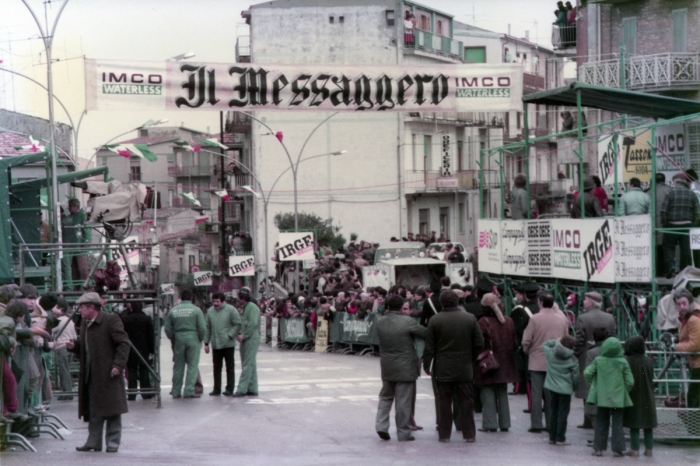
(635, 201)
(590, 202)
(518, 198)
(680, 209)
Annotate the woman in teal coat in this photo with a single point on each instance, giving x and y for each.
(610, 379)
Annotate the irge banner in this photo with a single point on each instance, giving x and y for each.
(297, 246)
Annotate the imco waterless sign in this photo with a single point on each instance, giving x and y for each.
(296, 246)
(597, 249)
(241, 266)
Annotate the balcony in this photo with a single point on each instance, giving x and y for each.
(431, 181)
(532, 82)
(243, 49)
(564, 39)
(673, 71)
(236, 122)
(197, 170)
(181, 202)
(472, 119)
(424, 41)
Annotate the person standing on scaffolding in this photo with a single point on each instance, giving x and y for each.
(74, 266)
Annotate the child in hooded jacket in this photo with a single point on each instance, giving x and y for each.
(561, 381)
(610, 379)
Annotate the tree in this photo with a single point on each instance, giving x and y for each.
(326, 233)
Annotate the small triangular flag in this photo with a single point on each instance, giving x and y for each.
(212, 143)
(188, 146)
(200, 219)
(34, 146)
(223, 194)
(130, 150)
(190, 197)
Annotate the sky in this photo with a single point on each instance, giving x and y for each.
(158, 30)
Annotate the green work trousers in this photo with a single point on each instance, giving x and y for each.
(248, 381)
(186, 352)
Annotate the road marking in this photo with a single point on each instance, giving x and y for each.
(323, 399)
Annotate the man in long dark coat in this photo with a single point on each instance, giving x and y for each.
(399, 366)
(452, 343)
(103, 349)
(139, 327)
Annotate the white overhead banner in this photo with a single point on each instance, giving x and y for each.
(296, 246)
(241, 266)
(172, 85)
(597, 250)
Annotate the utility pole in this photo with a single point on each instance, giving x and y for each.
(222, 216)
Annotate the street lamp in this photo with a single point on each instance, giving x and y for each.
(266, 199)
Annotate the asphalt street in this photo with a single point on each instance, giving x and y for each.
(312, 409)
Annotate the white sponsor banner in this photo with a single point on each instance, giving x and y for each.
(695, 239)
(241, 266)
(171, 85)
(671, 140)
(608, 159)
(461, 273)
(296, 246)
(446, 168)
(632, 249)
(513, 245)
(597, 250)
(489, 246)
(167, 288)
(203, 278)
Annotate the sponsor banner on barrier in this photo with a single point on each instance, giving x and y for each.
(293, 330)
(203, 278)
(513, 247)
(274, 332)
(695, 239)
(575, 249)
(241, 266)
(167, 288)
(296, 246)
(172, 85)
(671, 143)
(489, 246)
(635, 154)
(632, 250)
(321, 336)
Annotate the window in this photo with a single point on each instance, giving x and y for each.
(427, 153)
(460, 217)
(103, 161)
(445, 221)
(390, 17)
(518, 116)
(341, 19)
(629, 35)
(425, 22)
(171, 196)
(475, 54)
(135, 173)
(680, 24)
(331, 19)
(192, 261)
(424, 221)
(414, 152)
(460, 155)
(182, 270)
(438, 28)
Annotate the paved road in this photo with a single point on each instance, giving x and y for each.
(312, 409)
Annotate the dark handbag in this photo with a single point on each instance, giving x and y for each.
(486, 361)
(675, 401)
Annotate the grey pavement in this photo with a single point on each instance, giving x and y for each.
(312, 409)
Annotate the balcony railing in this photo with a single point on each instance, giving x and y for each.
(663, 71)
(421, 181)
(184, 203)
(433, 43)
(563, 37)
(196, 170)
(243, 49)
(493, 119)
(532, 81)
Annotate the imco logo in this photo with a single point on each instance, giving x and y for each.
(132, 83)
(488, 239)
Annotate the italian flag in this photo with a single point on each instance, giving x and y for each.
(223, 194)
(187, 146)
(190, 197)
(212, 143)
(34, 146)
(129, 150)
(200, 219)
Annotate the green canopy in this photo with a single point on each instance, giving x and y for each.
(616, 100)
(62, 179)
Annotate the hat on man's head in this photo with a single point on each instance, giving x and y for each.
(530, 287)
(588, 184)
(680, 177)
(7, 294)
(90, 298)
(594, 296)
(245, 291)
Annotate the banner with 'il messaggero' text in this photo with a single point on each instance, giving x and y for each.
(138, 85)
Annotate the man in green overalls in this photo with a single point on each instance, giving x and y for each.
(74, 266)
(249, 340)
(185, 327)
